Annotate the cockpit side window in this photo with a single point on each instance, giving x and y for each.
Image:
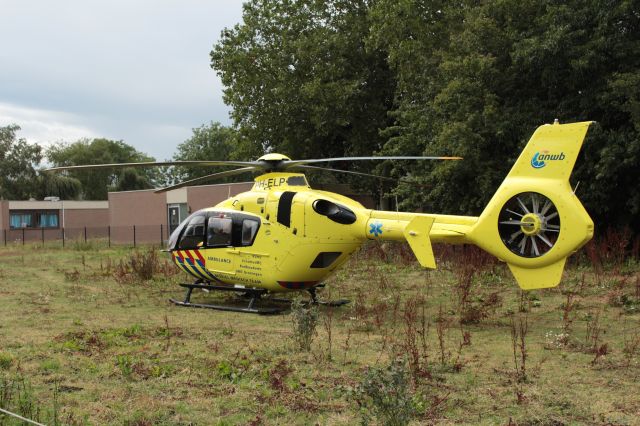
(193, 235)
(249, 230)
(219, 231)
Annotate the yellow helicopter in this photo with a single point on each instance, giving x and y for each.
(285, 236)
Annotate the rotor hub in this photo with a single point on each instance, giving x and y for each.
(531, 224)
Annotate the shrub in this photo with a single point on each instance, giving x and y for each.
(385, 393)
(305, 320)
(142, 266)
(5, 360)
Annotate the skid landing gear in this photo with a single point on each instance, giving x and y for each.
(332, 303)
(253, 295)
(314, 299)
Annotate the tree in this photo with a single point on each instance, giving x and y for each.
(18, 160)
(301, 81)
(53, 184)
(209, 142)
(468, 78)
(488, 73)
(97, 183)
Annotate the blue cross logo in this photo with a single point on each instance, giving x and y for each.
(376, 229)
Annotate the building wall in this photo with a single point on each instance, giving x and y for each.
(94, 215)
(4, 214)
(77, 214)
(200, 197)
(79, 218)
(137, 208)
(145, 210)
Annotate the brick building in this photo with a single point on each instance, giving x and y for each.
(141, 216)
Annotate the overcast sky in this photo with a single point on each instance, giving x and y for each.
(136, 71)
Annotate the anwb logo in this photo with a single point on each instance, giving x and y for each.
(540, 158)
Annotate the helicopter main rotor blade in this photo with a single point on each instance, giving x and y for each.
(357, 173)
(206, 178)
(295, 163)
(155, 164)
(344, 171)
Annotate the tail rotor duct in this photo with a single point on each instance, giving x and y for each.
(529, 224)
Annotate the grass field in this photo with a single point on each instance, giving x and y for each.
(87, 336)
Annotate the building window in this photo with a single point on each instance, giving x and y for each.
(48, 220)
(33, 219)
(21, 220)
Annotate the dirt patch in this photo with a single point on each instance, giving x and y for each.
(10, 253)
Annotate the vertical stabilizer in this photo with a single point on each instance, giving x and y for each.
(534, 221)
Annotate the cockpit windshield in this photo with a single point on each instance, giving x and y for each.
(194, 233)
(214, 229)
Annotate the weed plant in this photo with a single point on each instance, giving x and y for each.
(384, 394)
(304, 319)
(17, 396)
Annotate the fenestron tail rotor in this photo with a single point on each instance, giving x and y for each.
(529, 224)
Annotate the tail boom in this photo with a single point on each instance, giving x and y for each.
(533, 222)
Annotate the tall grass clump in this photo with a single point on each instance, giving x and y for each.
(143, 266)
(17, 396)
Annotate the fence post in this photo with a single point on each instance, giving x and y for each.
(161, 235)
(62, 237)
(109, 234)
(5, 237)
(134, 235)
(22, 236)
(42, 229)
(85, 234)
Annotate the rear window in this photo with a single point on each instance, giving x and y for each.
(249, 231)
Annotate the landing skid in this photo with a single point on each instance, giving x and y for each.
(332, 303)
(253, 294)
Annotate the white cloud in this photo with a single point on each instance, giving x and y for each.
(132, 71)
(44, 126)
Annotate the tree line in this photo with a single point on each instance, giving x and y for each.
(474, 79)
(432, 77)
(24, 176)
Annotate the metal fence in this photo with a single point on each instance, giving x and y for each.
(106, 235)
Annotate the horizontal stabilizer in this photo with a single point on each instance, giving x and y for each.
(417, 235)
(539, 277)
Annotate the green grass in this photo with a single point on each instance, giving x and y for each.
(90, 343)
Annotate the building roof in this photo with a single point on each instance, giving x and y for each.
(58, 205)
